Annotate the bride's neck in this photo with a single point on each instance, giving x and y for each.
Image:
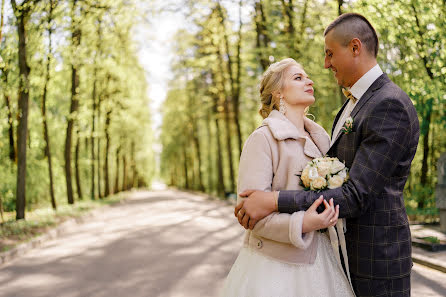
(296, 116)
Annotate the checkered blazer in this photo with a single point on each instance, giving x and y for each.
(378, 151)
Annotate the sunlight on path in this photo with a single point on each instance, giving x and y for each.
(164, 243)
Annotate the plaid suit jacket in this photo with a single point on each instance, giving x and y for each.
(379, 152)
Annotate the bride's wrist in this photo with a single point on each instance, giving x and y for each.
(276, 200)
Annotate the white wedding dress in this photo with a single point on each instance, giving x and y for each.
(256, 275)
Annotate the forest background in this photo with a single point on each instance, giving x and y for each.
(77, 122)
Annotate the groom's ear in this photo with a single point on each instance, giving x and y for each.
(355, 46)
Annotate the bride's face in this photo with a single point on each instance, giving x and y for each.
(298, 87)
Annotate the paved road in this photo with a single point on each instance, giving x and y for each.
(157, 244)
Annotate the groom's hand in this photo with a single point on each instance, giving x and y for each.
(258, 205)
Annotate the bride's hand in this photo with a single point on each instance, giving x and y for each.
(316, 221)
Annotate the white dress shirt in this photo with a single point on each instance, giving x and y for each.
(357, 90)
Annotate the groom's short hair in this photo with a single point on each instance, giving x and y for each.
(353, 25)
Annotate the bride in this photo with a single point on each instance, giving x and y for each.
(284, 255)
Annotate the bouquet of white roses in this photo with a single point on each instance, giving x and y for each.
(322, 173)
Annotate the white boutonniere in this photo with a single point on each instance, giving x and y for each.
(348, 125)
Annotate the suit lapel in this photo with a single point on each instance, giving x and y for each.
(337, 117)
(377, 84)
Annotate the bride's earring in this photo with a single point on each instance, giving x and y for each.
(282, 108)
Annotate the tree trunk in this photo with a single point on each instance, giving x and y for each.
(75, 41)
(425, 131)
(210, 168)
(92, 148)
(221, 179)
(45, 123)
(186, 175)
(22, 13)
(12, 146)
(424, 166)
(116, 190)
(97, 109)
(236, 96)
(2, 18)
(340, 2)
(234, 82)
(134, 174)
(93, 131)
(107, 149)
(4, 78)
(196, 141)
(76, 166)
(198, 154)
(1, 209)
(227, 122)
(303, 18)
(100, 194)
(124, 172)
(262, 38)
(287, 7)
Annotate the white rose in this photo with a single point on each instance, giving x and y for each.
(318, 183)
(336, 166)
(323, 168)
(312, 173)
(335, 182)
(342, 173)
(305, 177)
(317, 160)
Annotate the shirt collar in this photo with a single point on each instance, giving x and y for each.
(361, 86)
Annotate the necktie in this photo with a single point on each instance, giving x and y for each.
(349, 95)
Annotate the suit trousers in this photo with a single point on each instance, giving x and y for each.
(366, 287)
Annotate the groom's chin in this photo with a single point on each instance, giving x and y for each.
(340, 83)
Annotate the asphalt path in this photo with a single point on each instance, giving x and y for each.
(159, 244)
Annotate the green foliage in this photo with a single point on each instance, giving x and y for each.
(431, 239)
(106, 59)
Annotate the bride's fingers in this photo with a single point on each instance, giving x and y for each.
(240, 216)
(316, 204)
(245, 221)
(331, 214)
(252, 223)
(336, 216)
(238, 207)
(246, 193)
(328, 210)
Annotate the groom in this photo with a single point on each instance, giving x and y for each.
(378, 150)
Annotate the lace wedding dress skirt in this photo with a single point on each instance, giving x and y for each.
(255, 275)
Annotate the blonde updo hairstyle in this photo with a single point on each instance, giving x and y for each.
(272, 81)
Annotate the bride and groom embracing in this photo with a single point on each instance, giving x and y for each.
(283, 254)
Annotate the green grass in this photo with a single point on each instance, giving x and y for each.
(431, 239)
(40, 220)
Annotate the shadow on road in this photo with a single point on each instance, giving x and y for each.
(134, 253)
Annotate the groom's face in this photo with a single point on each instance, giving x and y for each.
(339, 59)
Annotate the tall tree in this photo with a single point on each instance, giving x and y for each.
(44, 100)
(262, 35)
(75, 42)
(22, 13)
(76, 165)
